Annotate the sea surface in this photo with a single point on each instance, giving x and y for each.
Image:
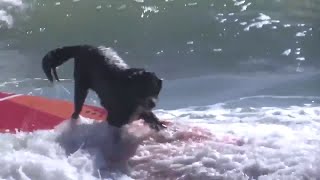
(241, 88)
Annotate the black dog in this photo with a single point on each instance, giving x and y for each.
(126, 93)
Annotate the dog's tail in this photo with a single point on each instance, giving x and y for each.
(55, 58)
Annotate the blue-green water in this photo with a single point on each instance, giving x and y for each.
(241, 68)
(208, 51)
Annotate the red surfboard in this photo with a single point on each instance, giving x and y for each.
(28, 113)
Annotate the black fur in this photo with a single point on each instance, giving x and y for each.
(126, 93)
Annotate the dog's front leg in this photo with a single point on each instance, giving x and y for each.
(152, 120)
(80, 94)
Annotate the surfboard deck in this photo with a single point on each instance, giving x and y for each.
(28, 113)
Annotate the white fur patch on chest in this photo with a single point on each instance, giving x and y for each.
(114, 58)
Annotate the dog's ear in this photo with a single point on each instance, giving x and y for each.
(145, 80)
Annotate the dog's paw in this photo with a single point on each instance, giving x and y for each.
(75, 116)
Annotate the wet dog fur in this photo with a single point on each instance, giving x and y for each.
(127, 94)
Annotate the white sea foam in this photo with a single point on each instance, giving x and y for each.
(6, 9)
(262, 21)
(149, 9)
(244, 7)
(12, 2)
(212, 142)
(6, 18)
(301, 34)
(287, 52)
(238, 3)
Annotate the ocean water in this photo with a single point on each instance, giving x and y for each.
(241, 88)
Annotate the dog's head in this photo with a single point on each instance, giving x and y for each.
(146, 87)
